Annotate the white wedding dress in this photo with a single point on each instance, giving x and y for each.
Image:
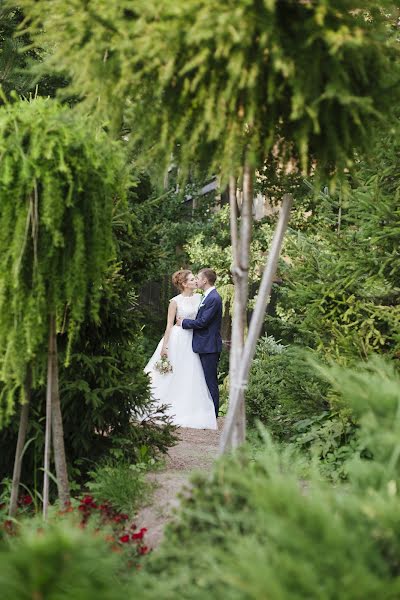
(185, 389)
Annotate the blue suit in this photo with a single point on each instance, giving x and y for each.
(207, 341)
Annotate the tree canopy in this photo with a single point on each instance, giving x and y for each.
(216, 81)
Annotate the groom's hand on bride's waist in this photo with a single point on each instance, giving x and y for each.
(179, 322)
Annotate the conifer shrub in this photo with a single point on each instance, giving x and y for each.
(58, 561)
(85, 551)
(283, 388)
(340, 293)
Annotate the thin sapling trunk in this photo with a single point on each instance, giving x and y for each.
(23, 427)
(240, 273)
(49, 397)
(58, 437)
(236, 396)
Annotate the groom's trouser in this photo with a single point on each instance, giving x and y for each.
(210, 364)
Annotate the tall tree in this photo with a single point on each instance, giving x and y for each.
(59, 179)
(226, 84)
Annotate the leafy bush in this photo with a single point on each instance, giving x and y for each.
(372, 390)
(283, 388)
(255, 530)
(330, 437)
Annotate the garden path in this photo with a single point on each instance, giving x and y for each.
(195, 451)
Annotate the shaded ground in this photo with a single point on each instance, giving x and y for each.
(195, 451)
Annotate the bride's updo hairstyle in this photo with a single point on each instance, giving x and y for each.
(180, 278)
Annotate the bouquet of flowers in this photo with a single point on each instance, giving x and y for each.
(163, 366)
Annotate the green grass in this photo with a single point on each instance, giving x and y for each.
(121, 484)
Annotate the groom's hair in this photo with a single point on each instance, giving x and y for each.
(210, 275)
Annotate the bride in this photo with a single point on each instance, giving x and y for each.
(184, 389)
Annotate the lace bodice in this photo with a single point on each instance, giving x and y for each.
(187, 306)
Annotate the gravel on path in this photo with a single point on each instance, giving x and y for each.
(196, 451)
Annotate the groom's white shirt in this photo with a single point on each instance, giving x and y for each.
(206, 294)
(210, 289)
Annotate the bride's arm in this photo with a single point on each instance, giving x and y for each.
(170, 323)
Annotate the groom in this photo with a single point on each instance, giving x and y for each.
(207, 341)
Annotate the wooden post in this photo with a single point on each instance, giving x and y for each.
(236, 396)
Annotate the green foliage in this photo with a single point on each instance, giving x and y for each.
(254, 530)
(120, 483)
(12, 60)
(283, 389)
(343, 284)
(331, 438)
(104, 386)
(224, 79)
(174, 221)
(372, 391)
(58, 561)
(211, 246)
(59, 180)
(18, 57)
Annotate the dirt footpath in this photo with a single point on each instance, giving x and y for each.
(195, 451)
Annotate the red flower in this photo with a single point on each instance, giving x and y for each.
(27, 499)
(124, 517)
(139, 535)
(124, 538)
(87, 500)
(143, 550)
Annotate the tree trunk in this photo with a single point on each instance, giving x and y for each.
(235, 353)
(236, 397)
(49, 397)
(240, 272)
(58, 437)
(23, 427)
